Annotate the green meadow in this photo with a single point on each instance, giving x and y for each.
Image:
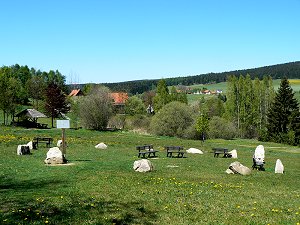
(295, 85)
(101, 187)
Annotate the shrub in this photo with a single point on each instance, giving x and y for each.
(137, 122)
(96, 109)
(134, 106)
(221, 128)
(172, 120)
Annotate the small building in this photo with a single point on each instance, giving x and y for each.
(28, 118)
(119, 99)
(206, 92)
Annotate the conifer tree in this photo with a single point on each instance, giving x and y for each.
(162, 96)
(283, 117)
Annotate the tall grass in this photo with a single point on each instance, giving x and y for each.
(100, 186)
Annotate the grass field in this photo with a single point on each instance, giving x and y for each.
(100, 186)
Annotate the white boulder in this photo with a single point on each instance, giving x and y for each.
(279, 168)
(23, 150)
(194, 151)
(59, 143)
(237, 167)
(54, 156)
(101, 146)
(233, 154)
(143, 165)
(30, 145)
(259, 152)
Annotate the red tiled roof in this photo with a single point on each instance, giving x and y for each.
(119, 97)
(75, 92)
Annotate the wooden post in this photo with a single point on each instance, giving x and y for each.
(63, 138)
(63, 124)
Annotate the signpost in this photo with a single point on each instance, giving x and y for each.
(63, 124)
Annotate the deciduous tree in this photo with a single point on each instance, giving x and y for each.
(55, 102)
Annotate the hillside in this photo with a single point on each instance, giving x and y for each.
(290, 70)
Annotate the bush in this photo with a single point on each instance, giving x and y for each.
(137, 122)
(96, 109)
(117, 122)
(172, 120)
(221, 128)
(134, 105)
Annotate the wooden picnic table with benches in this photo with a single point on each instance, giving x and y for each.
(175, 150)
(146, 150)
(223, 151)
(37, 140)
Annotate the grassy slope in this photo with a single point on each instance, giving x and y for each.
(100, 186)
(295, 84)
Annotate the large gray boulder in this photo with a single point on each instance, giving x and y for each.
(279, 168)
(237, 167)
(143, 165)
(54, 156)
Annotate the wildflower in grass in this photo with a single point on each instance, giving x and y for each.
(46, 221)
(61, 197)
(238, 206)
(252, 215)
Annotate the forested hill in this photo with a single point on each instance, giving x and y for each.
(290, 70)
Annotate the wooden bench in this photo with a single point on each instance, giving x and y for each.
(146, 150)
(37, 140)
(224, 151)
(174, 150)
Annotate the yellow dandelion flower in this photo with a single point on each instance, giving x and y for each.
(238, 206)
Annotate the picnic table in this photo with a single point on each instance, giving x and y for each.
(47, 140)
(146, 150)
(223, 151)
(174, 150)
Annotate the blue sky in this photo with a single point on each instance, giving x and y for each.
(112, 41)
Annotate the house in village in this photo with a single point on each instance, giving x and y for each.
(76, 93)
(119, 99)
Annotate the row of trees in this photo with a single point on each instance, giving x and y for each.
(251, 109)
(19, 85)
(290, 70)
(248, 103)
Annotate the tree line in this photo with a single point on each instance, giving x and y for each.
(19, 85)
(290, 70)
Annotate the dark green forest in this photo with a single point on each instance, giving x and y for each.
(290, 70)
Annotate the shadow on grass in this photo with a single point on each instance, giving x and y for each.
(7, 184)
(18, 206)
(78, 211)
